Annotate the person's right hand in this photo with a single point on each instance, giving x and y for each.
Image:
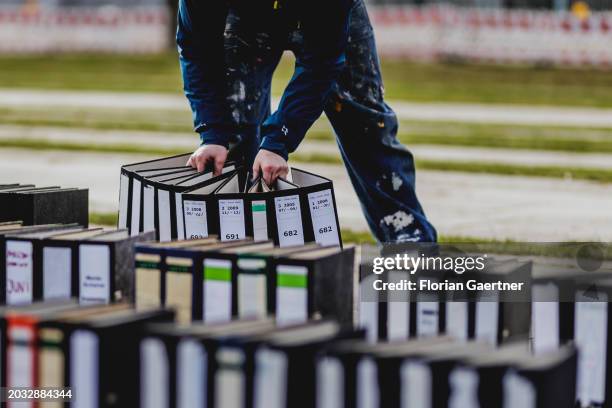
(209, 153)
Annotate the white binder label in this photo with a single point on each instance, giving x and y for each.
(323, 218)
(487, 319)
(94, 275)
(518, 392)
(19, 272)
(416, 385)
(398, 320)
(270, 379)
(136, 192)
(427, 318)
(191, 374)
(165, 225)
(291, 294)
(260, 220)
(84, 369)
(330, 383)
(463, 388)
(57, 273)
(231, 219)
(217, 290)
(124, 190)
(590, 333)
(154, 375)
(180, 226)
(196, 223)
(545, 318)
(148, 208)
(229, 379)
(289, 220)
(457, 320)
(367, 384)
(252, 293)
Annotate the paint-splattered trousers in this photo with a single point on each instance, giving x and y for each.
(381, 169)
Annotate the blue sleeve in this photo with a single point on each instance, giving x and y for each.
(325, 28)
(199, 37)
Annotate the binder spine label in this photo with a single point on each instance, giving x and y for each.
(367, 384)
(416, 383)
(330, 383)
(231, 220)
(154, 374)
(591, 328)
(217, 290)
(57, 273)
(324, 218)
(230, 381)
(464, 386)
(270, 379)
(457, 320)
(165, 225)
(19, 272)
(94, 274)
(136, 193)
(149, 208)
(398, 325)
(289, 220)
(545, 318)
(124, 190)
(291, 294)
(487, 318)
(191, 371)
(84, 369)
(427, 318)
(518, 391)
(180, 226)
(196, 223)
(260, 220)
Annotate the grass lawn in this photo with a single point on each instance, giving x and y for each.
(403, 80)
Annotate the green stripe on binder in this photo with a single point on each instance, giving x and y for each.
(147, 265)
(218, 274)
(259, 208)
(292, 281)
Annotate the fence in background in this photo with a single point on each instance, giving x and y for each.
(493, 35)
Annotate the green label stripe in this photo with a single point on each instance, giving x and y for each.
(147, 265)
(218, 274)
(292, 281)
(181, 269)
(259, 208)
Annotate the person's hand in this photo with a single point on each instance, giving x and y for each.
(209, 153)
(270, 166)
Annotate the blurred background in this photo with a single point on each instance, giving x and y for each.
(506, 105)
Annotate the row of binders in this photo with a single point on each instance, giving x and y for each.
(566, 306)
(63, 261)
(179, 203)
(43, 205)
(116, 356)
(214, 281)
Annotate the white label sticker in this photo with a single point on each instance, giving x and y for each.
(217, 290)
(180, 226)
(545, 318)
(487, 319)
(270, 379)
(84, 370)
(154, 375)
(57, 273)
(291, 294)
(165, 225)
(19, 270)
(20, 365)
(518, 391)
(463, 388)
(289, 220)
(191, 374)
(591, 336)
(252, 295)
(124, 191)
(457, 320)
(196, 223)
(229, 378)
(416, 384)
(323, 218)
(427, 318)
(330, 383)
(260, 220)
(367, 384)
(94, 274)
(231, 220)
(398, 322)
(136, 193)
(148, 208)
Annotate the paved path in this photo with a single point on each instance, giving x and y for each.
(189, 141)
(529, 209)
(449, 112)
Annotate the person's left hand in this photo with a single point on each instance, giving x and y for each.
(270, 165)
